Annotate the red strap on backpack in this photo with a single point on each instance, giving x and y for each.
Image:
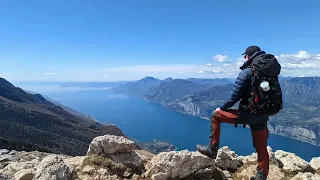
(256, 99)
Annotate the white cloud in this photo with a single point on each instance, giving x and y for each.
(298, 57)
(50, 73)
(87, 74)
(301, 59)
(239, 62)
(226, 65)
(120, 75)
(221, 58)
(300, 63)
(297, 64)
(180, 73)
(221, 70)
(213, 70)
(105, 74)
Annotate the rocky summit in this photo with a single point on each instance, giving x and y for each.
(111, 157)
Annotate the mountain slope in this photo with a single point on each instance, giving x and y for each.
(86, 118)
(31, 119)
(202, 103)
(172, 90)
(302, 91)
(9, 91)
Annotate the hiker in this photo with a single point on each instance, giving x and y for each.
(258, 89)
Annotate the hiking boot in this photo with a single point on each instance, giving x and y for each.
(259, 176)
(210, 151)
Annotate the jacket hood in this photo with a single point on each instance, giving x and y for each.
(248, 62)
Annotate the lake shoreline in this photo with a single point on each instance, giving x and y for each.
(206, 118)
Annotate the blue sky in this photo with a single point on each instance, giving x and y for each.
(78, 40)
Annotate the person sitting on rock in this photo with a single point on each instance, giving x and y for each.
(258, 124)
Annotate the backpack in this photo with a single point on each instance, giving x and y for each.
(265, 100)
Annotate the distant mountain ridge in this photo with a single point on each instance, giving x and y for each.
(138, 88)
(195, 97)
(154, 89)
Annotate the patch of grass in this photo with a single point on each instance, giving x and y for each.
(99, 161)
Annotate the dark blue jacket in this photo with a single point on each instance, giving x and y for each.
(242, 90)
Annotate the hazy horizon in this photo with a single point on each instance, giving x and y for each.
(119, 81)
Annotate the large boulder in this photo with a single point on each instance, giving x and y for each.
(292, 163)
(119, 149)
(53, 168)
(178, 164)
(110, 144)
(315, 163)
(306, 176)
(227, 159)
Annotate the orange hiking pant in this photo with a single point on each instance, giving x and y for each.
(259, 135)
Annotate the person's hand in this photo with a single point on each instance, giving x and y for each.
(214, 113)
(218, 109)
